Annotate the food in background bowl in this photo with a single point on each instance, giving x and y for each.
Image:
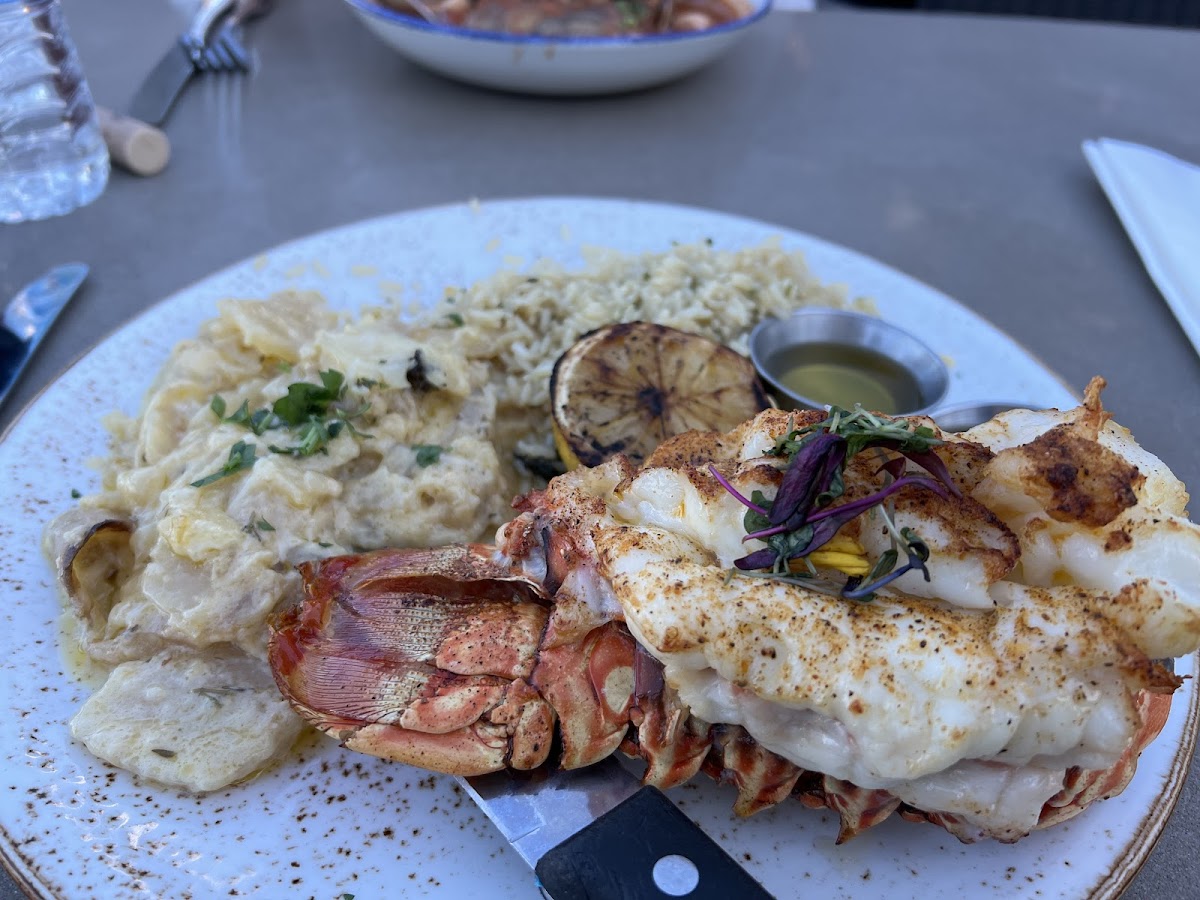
(577, 18)
(559, 56)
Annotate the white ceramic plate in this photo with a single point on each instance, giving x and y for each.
(544, 65)
(333, 822)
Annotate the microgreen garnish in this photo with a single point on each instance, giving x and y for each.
(314, 413)
(802, 517)
(241, 456)
(255, 525)
(428, 454)
(860, 429)
(918, 554)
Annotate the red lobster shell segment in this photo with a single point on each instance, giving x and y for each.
(422, 657)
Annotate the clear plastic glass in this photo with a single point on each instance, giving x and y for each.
(52, 154)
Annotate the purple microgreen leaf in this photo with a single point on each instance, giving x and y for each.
(929, 461)
(932, 463)
(854, 507)
(724, 482)
(764, 533)
(894, 467)
(811, 473)
(867, 591)
(759, 559)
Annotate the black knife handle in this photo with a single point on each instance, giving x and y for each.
(614, 858)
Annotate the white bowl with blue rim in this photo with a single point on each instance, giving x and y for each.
(536, 64)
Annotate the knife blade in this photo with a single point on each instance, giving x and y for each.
(161, 88)
(1157, 198)
(29, 316)
(166, 81)
(595, 833)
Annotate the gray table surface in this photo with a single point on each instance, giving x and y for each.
(946, 146)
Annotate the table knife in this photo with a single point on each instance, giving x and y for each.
(29, 316)
(1157, 198)
(166, 81)
(596, 833)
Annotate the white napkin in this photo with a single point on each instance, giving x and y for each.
(1157, 198)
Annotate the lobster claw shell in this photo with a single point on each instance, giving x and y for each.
(421, 656)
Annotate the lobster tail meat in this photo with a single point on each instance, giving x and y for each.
(1000, 682)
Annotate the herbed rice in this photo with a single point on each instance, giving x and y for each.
(520, 323)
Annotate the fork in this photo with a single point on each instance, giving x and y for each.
(224, 50)
(194, 39)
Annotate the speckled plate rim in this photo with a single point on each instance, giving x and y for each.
(1148, 801)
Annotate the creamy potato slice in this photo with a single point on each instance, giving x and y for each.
(188, 720)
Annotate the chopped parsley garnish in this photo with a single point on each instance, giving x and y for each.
(314, 413)
(75, 494)
(166, 754)
(305, 401)
(256, 525)
(428, 454)
(257, 421)
(802, 517)
(241, 456)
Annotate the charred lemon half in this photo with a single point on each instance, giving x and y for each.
(626, 388)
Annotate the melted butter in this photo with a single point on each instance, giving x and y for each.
(836, 375)
(76, 663)
(305, 747)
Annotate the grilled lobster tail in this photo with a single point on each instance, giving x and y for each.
(437, 658)
(1002, 688)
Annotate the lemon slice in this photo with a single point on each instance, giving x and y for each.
(626, 388)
